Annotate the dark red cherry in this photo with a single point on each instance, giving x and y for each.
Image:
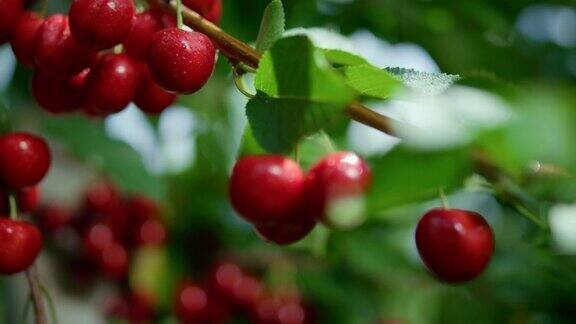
(200, 6)
(150, 97)
(142, 208)
(101, 24)
(24, 159)
(287, 232)
(223, 278)
(291, 313)
(53, 217)
(215, 13)
(181, 61)
(23, 39)
(151, 233)
(101, 197)
(10, 11)
(266, 189)
(456, 245)
(191, 303)
(114, 261)
(97, 238)
(112, 83)
(58, 94)
(341, 175)
(147, 23)
(28, 199)
(56, 51)
(20, 244)
(247, 291)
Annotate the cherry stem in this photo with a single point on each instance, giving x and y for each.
(179, 21)
(51, 304)
(236, 50)
(240, 85)
(443, 198)
(13, 207)
(36, 292)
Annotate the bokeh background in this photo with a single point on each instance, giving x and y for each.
(519, 54)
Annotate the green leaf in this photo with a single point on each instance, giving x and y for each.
(424, 82)
(342, 58)
(297, 94)
(271, 27)
(404, 176)
(371, 81)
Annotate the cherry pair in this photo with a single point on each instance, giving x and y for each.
(456, 245)
(273, 193)
(24, 161)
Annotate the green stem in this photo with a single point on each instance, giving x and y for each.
(51, 305)
(443, 198)
(26, 309)
(240, 85)
(522, 210)
(179, 20)
(13, 207)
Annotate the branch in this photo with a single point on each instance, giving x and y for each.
(236, 50)
(37, 297)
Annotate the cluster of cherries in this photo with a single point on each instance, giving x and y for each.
(102, 234)
(284, 204)
(227, 292)
(24, 161)
(104, 55)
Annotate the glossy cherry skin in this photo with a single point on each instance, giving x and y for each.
(147, 23)
(456, 245)
(337, 176)
(200, 6)
(24, 159)
(10, 11)
(286, 233)
(215, 13)
(59, 94)
(56, 51)
(112, 83)
(150, 97)
(181, 61)
(23, 39)
(20, 244)
(266, 189)
(101, 24)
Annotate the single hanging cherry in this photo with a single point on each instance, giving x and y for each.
(20, 244)
(456, 245)
(24, 159)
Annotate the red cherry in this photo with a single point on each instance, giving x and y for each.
(10, 11)
(247, 291)
(147, 23)
(101, 24)
(142, 208)
(152, 233)
(59, 93)
(136, 307)
(191, 303)
(224, 278)
(56, 51)
(266, 189)
(285, 233)
(97, 238)
(181, 61)
(456, 245)
(112, 83)
(28, 199)
(337, 176)
(114, 261)
(150, 97)
(291, 313)
(200, 6)
(20, 244)
(101, 197)
(23, 37)
(24, 159)
(215, 13)
(53, 217)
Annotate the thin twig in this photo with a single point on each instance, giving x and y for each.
(37, 297)
(236, 50)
